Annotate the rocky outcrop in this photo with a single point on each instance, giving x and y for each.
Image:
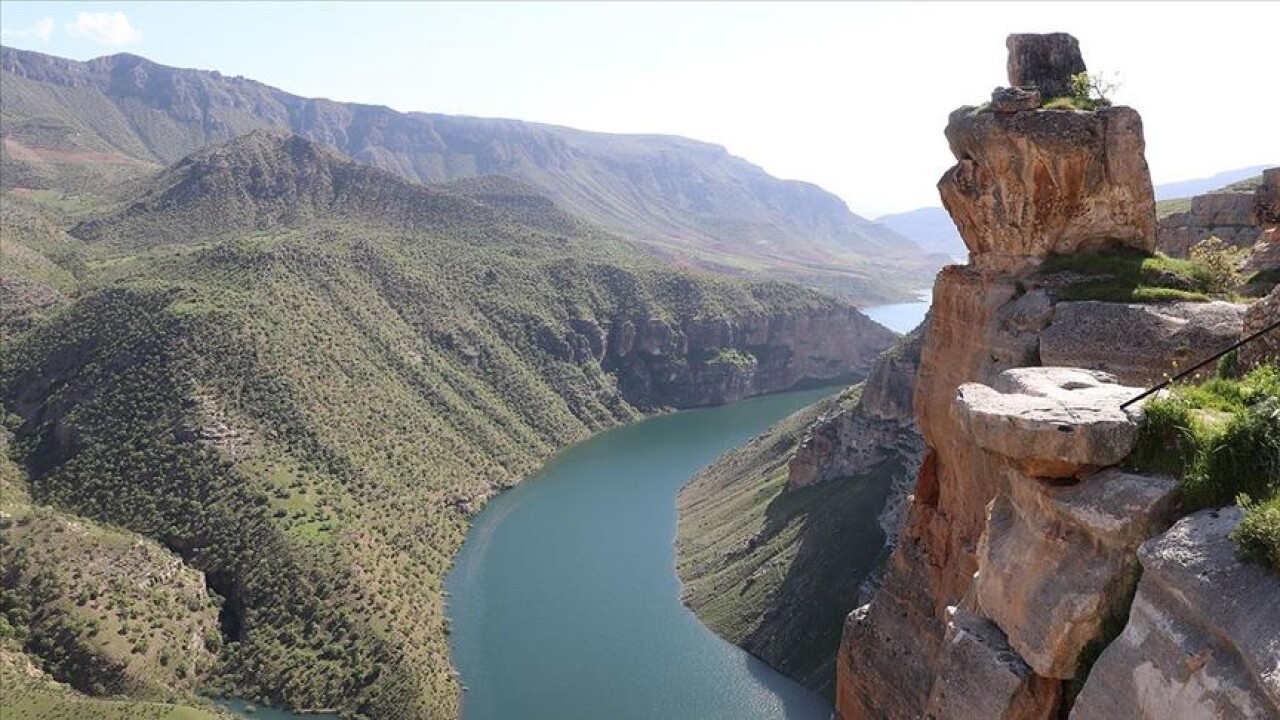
(1203, 637)
(1261, 315)
(881, 424)
(1031, 184)
(1240, 215)
(1050, 422)
(1019, 544)
(1140, 344)
(661, 364)
(1044, 61)
(980, 676)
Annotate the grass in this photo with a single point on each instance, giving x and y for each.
(1221, 439)
(1130, 276)
(1073, 103)
(775, 570)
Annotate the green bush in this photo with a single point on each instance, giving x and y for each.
(1221, 261)
(1221, 439)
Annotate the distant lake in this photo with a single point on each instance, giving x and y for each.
(901, 317)
(564, 601)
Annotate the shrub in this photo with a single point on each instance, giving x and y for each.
(1259, 533)
(1222, 262)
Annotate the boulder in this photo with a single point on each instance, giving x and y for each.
(1050, 421)
(1014, 99)
(1203, 637)
(1056, 562)
(1139, 343)
(1031, 184)
(1045, 61)
(980, 676)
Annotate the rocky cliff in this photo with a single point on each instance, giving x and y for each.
(781, 538)
(1020, 546)
(1244, 215)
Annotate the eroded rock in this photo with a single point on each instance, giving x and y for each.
(980, 676)
(1139, 343)
(1050, 421)
(1014, 99)
(1260, 316)
(1031, 184)
(1203, 638)
(1045, 61)
(1057, 561)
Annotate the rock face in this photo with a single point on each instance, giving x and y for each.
(1019, 543)
(1240, 215)
(1203, 638)
(1139, 343)
(1014, 99)
(1261, 315)
(693, 364)
(1031, 184)
(1046, 62)
(882, 423)
(980, 676)
(1057, 561)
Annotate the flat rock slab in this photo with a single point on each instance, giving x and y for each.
(1056, 562)
(1050, 421)
(1203, 638)
(980, 676)
(1139, 343)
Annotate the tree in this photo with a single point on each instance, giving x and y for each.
(1094, 89)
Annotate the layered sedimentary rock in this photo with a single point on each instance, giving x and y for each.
(1203, 637)
(659, 363)
(1032, 184)
(1239, 215)
(1139, 343)
(980, 676)
(1026, 185)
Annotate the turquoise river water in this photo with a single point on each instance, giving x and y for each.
(565, 603)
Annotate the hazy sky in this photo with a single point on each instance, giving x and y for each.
(852, 96)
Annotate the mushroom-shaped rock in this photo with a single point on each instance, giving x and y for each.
(1050, 421)
(1203, 638)
(1056, 562)
(980, 676)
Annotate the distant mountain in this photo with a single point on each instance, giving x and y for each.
(1200, 186)
(688, 201)
(932, 229)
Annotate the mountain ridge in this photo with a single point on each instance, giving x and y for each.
(687, 201)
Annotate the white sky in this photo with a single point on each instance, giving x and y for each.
(851, 96)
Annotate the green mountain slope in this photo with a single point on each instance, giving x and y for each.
(301, 374)
(69, 123)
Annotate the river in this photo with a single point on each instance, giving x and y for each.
(565, 602)
(901, 317)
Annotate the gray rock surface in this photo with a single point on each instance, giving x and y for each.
(1014, 99)
(1260, 316)
(1139, 343)
(1050, 421)
(1203, 638)
(1057, 561)
(980, 676)
(1046, 61)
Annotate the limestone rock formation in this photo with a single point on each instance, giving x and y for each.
(1261, 315)
(1044, 61)
(1050, 421)
(1240, 215)
(1030, 184)
(980, 676)
(1203, 638)
(1057, 561)
(1139, 343)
